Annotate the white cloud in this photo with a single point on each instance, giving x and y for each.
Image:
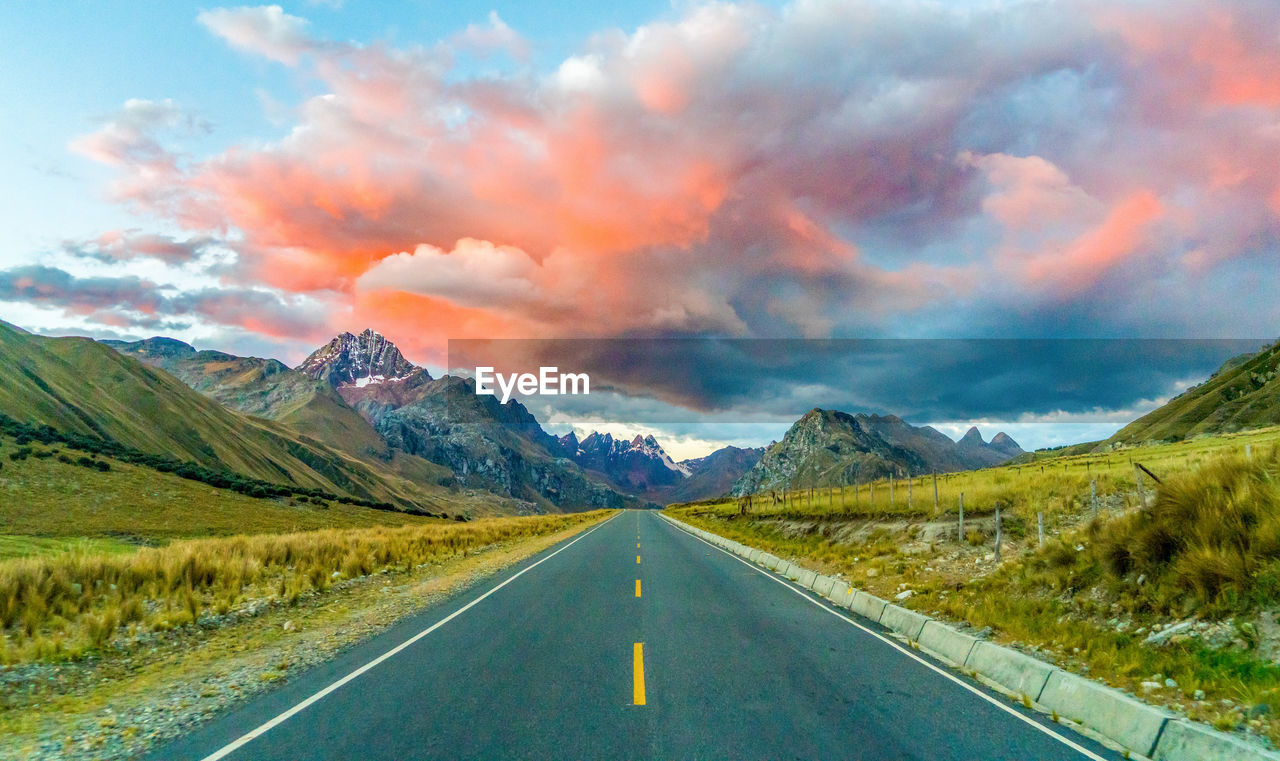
(265, 30)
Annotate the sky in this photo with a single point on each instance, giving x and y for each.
(258, 178)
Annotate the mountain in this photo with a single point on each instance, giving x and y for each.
(264, 388)
(830, 448)
(639, 466)
(351, 360)
(358, 394)
(79, 386)
(486, 444)
(715, 474)
(976, 453)
(1244, 393)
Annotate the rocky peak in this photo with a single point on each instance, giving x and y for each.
(358, 360)
(1004, 443)
(972, 438)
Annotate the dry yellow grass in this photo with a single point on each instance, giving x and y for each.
(65, 606)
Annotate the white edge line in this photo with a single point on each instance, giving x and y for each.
(267, 726)
(907, 652)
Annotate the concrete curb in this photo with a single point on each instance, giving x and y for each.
(1142, 728)
(867, 606)
(1183, 739)
(947, 642)
(905, 622)
(1129, 721)
(1020, 674)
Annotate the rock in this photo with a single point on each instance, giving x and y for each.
(1198, 695)
(1161, 636)
(336, 575)
(1149, 686)
(872, 573)
(1258, 711)
(1170, 683)
(288, 626)
(903, 595)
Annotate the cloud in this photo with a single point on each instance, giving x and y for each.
(128, 136)
(263, 30)
(1030, 381)
(823, 169)
(129, 301)
(127, 245)
(492, 37)
(475, 273)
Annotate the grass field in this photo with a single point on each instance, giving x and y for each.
(1205, 549)
(17, 546)
(69, 605)
(54, 501)
(1052, 484)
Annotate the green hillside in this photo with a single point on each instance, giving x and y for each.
(1243, 394)
(265, 388)
(49, 503)
(79, 386)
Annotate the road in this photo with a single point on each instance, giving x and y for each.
(634, 640)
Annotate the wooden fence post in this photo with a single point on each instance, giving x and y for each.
(961, 528)
(1040, 529)
(935, 492)
(998, 536)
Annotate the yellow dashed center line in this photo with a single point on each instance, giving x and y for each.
(638, 665)
(637, 560)
(637, 587)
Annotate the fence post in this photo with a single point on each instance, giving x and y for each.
(1040, 529)
(1093, 496)
(998, 537)
(890, 491)
(960, 535)
(1248, 451)
(909, 505)
(935, 492)
(1142, 493)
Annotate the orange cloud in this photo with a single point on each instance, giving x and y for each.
(1088, 258)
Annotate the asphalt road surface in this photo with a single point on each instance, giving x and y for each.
(634, 640)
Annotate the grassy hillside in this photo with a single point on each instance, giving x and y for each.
(1244, 393)
(82, 387)
(263, 388)
(47, 504)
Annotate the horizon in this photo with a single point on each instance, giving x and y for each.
(683, 447)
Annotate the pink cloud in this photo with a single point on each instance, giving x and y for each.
(1089, 258)
(739, 171)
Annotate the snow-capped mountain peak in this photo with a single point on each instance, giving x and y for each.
(358, 360)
